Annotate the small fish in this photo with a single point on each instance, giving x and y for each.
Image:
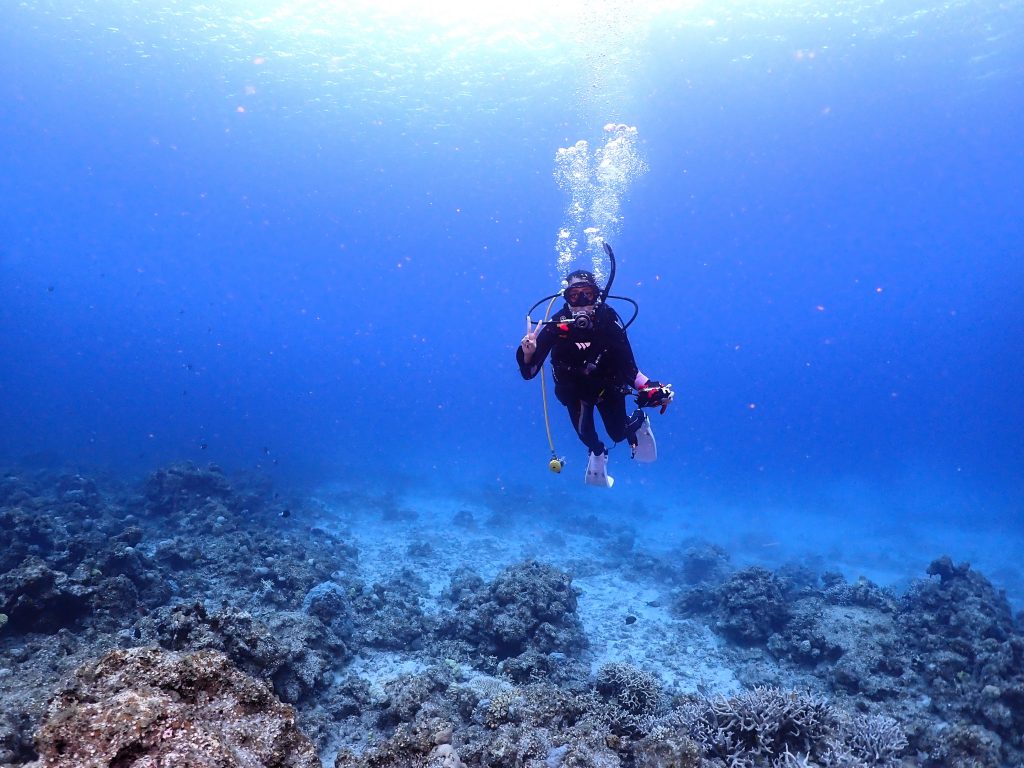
(631, 619)
(286, 513)
(203, 446)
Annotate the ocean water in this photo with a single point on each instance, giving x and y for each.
(301, 239)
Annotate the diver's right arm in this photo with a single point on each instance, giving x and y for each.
(533, 350)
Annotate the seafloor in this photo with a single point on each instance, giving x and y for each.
(193, 619)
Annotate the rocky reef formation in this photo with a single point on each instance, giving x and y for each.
(210, 600)
(484, 722)
(146, 707)
(188, 560)
(946, 657)
(522, 623)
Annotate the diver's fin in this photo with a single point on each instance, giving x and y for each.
(646, 449)
(597, 471)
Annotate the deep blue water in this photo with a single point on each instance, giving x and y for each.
(303, 240)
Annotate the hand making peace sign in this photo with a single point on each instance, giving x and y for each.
(529, 342)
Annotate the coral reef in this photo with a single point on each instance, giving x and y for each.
(148, 707)
(747, 607)
(187, 488)
(946, 658)
(635, 693)
(485, 722)
(774, 728)
(967, 653)
(390, 612)
(226, 587)
(290, 650)
(89, 566)
(35, 598)
(529, 608)
(540, 725)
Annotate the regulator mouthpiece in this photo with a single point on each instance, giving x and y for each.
(556, 465)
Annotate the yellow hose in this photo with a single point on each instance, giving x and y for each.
(544, 399)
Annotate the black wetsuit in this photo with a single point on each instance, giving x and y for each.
(593, 367)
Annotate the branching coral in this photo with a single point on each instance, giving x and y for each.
(634, 694)
(779, 729)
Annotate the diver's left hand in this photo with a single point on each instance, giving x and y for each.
(654, 394)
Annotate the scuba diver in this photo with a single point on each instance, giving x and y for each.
(593, 366)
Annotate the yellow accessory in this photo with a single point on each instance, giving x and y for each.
(556, 464)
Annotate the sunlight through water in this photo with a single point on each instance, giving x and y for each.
(412, 55)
